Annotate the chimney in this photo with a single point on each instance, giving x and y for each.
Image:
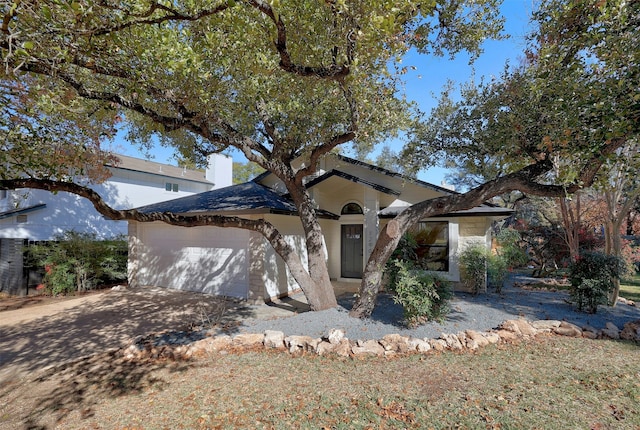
(219, 170)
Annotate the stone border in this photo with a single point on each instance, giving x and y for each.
(335, 342)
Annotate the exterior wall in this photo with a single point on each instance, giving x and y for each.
(474, 231)
(65, 211)
(277, 278)
(210, 260)
(125, 189)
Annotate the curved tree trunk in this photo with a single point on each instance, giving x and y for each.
(321, 294)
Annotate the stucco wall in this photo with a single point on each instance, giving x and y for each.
(209, 260)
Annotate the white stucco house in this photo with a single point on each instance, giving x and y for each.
(354, 201)
(40, 215)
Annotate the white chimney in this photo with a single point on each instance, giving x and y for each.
(219, 170)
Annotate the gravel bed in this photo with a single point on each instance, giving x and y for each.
(477, 312)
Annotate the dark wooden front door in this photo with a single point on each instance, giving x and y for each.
(351, 251)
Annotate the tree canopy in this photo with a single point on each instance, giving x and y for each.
(277, 80)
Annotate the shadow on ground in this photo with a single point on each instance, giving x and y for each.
(110, 322)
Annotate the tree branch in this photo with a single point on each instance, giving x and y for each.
(286, 63)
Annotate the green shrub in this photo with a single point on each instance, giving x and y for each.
(497, 269)
(405, 251)
(423, 296)
(592, 278)
(509, 249)
(473, 268)
(78, 262)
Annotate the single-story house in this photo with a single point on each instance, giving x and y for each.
(354, 201)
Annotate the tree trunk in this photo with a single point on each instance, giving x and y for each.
(372, 276)
(571, 223)
(320, 295)
(616, 242)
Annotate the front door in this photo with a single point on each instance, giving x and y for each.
(351, 251)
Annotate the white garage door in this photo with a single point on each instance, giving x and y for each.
(211, 260)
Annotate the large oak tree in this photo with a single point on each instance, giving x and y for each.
(544, 128)
(283, 82)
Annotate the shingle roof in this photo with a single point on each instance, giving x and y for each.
(19, 211)
(482, 210)
(244, 198)
(160, 169)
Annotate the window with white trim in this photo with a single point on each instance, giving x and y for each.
(432, 238)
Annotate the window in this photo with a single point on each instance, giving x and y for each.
(351, 209)
(432, 238)
(21, 219)
(171, 187)
(3, 194)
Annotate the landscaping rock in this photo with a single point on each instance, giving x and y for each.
(568, 329)
(492, 337)
(545, 325)
(476, 337)
(395, 342)
(519, 327)
(211, 344)
(590, 332)
(335, 336)
(438, 344)
(301, 343)
(508, 335)
(626, 301)
(273, 339)
(452, 341)
(370, 347)
(248, 340)
(417, 344)
(631, 331)
(611, 331)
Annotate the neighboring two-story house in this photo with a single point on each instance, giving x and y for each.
(36, 215)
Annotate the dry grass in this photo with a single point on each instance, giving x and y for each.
(549, 383)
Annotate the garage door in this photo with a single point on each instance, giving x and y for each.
(205, 259)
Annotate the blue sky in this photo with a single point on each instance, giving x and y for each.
(426, 82)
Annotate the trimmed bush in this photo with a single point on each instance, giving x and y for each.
(592, 278)
(473, 268)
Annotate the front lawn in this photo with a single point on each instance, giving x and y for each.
(630, 289)
(552, 382)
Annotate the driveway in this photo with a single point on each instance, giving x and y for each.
(36, 337)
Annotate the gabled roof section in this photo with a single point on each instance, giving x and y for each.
(351, 178)
(247, 198)
(371, 167)
(160, 169)
(28, 209)
(395, 174)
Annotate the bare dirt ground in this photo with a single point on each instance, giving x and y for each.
(47, 342)
(35, 335)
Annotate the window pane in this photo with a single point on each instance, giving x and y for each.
(432, 238)
(167, 186)
(175, 188)
(351, 209)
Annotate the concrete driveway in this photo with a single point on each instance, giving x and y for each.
(34, 338)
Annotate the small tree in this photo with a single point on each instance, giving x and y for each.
(592, 279)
